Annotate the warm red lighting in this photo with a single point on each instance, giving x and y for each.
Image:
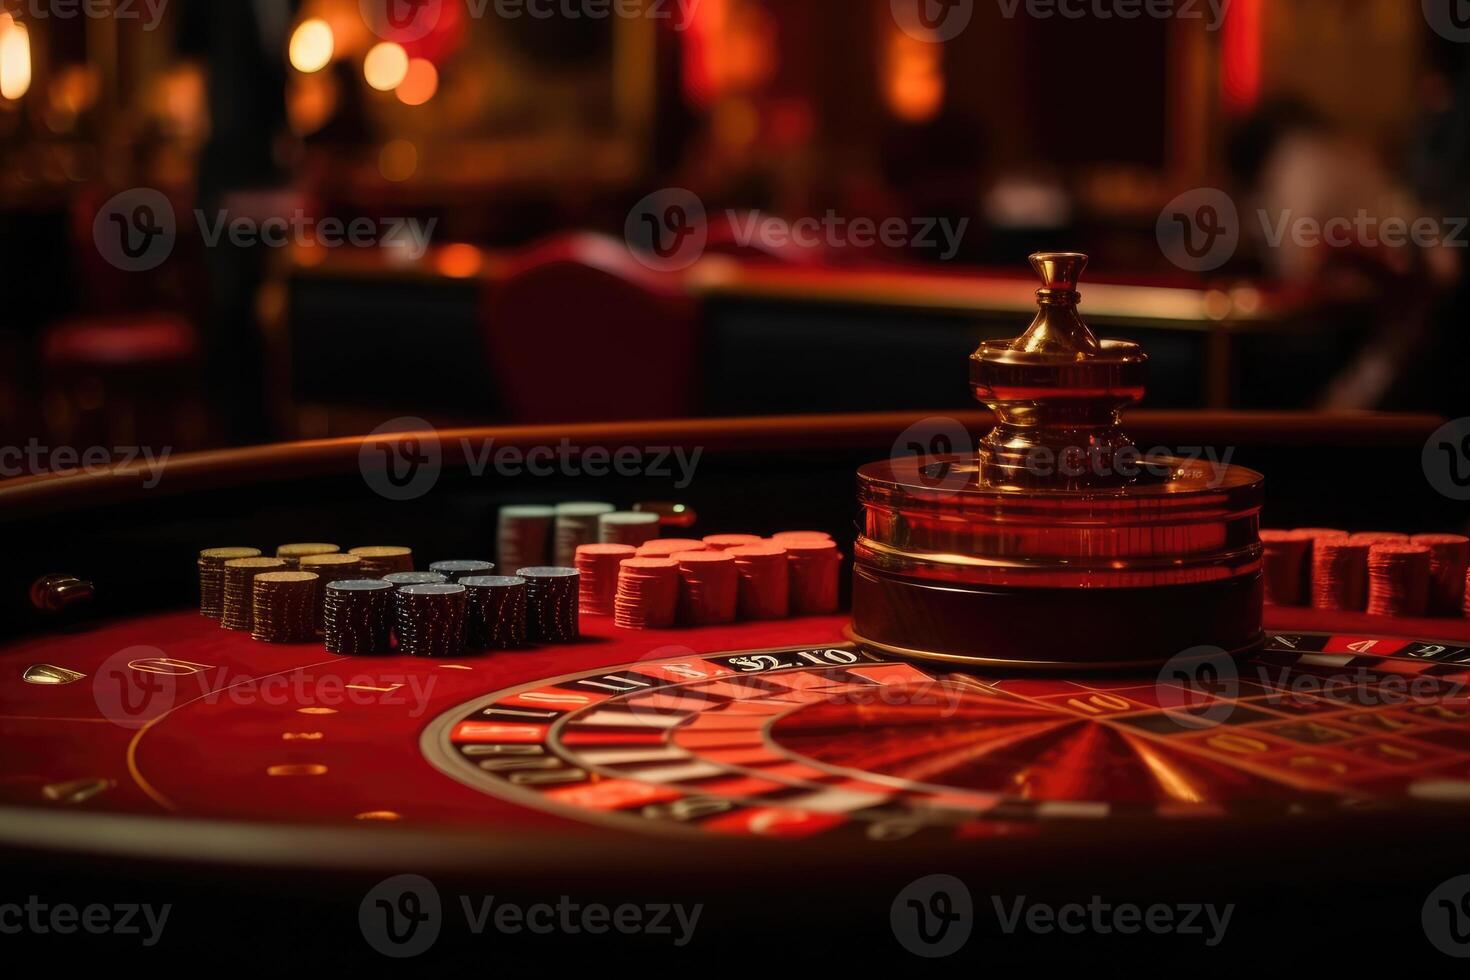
(1240, 61)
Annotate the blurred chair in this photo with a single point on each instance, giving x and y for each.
(580, 330)
(122, 380)
(124, 371)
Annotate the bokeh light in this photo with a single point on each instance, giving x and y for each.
(312, 45)
(15, 59)
(398, 161)
(420, 83)
(385, 66)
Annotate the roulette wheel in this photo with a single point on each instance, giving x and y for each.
(1051, 722)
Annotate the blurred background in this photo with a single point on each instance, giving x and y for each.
(233, 221)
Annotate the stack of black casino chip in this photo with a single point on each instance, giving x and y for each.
(358, 616)
(431, 620)
(400, 579)
(458, 571)
(496, 617)
(552, 604)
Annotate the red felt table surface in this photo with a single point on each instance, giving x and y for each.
(207, 744)
(291, 733)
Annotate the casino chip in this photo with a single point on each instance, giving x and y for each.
(784, 536)
(627, 527)
(212, 577)
(239, 593)
(815, 568)
(380, 560)
(357, 616)
(292, 554)
(597, 566)
(522, 536)
(669, 547)
(576, 525)
(495, 618)
(648, 594)
(1398, 579)
(397, 579)
(765, 581)
(1339, 574)
(430, 620)
(454, 571)
(1379, 537)
(329, 569)
(284, 607)
(551, 604)
(1449, 555)
(1284, 566)
(709, 588)
(724, 542)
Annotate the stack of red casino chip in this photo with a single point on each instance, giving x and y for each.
(765, 581)
(1398, 579)
(1339, 574)
(1308, 574)
(669, 547)
(1449, 556)
(724, 542)
(1371, 538)
(1466, 609)
(598, 566)
(783, 537)
(815, 570)
(709, 588)
(1284, 566)
(648, 594)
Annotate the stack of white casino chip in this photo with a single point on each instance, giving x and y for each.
(523, 536)
(576, 525)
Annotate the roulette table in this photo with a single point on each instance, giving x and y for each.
(775, 793)
(790, 780)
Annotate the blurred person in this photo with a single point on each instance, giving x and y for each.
(241, 46)
(1320, 204)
